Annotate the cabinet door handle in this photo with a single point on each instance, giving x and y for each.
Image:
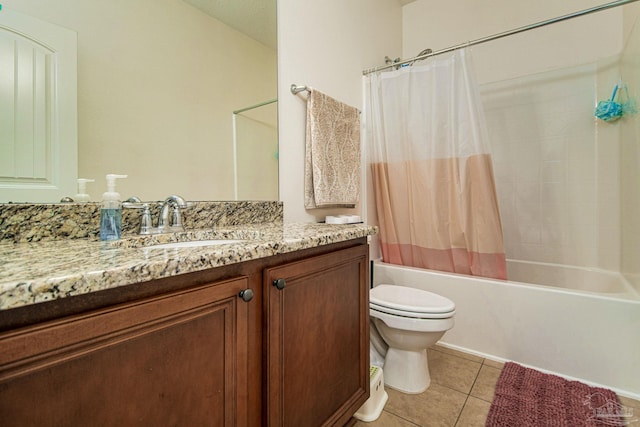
(279, 283)
(246, 295)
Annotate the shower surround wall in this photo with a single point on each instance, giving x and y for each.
(557, 169)
(567, 183)
(630, 165)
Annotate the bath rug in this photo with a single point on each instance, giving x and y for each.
(525, 397)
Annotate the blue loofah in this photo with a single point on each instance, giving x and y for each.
(609, 110)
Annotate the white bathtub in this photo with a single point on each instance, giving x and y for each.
(571, 278)
(588, 330)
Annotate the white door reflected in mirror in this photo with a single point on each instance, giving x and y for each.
(38, 109)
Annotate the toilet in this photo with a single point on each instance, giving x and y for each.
(409, 321)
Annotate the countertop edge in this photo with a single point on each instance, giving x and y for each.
(122, 266)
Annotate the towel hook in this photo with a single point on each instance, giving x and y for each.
(295, 89)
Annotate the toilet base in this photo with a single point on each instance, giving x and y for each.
(407, 371)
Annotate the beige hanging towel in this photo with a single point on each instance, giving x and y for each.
(332, 157)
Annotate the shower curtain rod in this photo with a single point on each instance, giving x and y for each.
(262, 104)
(503, 34)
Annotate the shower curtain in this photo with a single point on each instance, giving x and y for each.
(432, 171)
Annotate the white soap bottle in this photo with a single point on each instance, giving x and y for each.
(111, 211)
(82, 196)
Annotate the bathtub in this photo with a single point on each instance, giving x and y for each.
(571, 278)
(588, 329)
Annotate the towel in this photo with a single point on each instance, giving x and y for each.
(332, 157)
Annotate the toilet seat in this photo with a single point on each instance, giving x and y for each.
(415, 324)
(411, 314)
(410, 302)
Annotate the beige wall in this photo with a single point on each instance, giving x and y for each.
(156, 95)
(437, 25)
(325, 44)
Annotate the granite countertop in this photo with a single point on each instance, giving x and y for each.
(36, 272)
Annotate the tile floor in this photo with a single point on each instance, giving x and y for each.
(460, 394)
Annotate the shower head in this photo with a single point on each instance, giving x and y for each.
(390, 61)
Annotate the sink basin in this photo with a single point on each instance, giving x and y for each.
(196, 243)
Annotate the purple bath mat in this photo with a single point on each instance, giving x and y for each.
(525, 397)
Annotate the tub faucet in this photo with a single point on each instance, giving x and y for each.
(176, 203)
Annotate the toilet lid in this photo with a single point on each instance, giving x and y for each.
(410, 300)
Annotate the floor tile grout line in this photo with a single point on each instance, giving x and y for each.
(493, 395)
(479, 363)
(468, 394)
(401, 417)
(462, 409)
(458, 354)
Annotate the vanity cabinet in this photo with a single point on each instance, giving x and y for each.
(195, 350)
(176, 359)
(317, 339)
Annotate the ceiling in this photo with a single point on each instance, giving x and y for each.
(255, 18)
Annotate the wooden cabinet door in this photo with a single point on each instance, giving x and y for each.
(317, 351)
(176, 359)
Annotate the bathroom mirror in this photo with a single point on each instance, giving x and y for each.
(158, 82)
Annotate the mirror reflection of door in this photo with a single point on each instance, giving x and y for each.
(38, 109)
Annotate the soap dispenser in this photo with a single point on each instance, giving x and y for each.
(111, 211)
(82, 196)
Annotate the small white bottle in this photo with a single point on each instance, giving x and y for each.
(82, 196)
(111, 211)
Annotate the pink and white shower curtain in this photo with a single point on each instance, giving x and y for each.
(432, 170)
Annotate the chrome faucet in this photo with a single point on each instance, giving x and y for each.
(177, 203)
(164, 224)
